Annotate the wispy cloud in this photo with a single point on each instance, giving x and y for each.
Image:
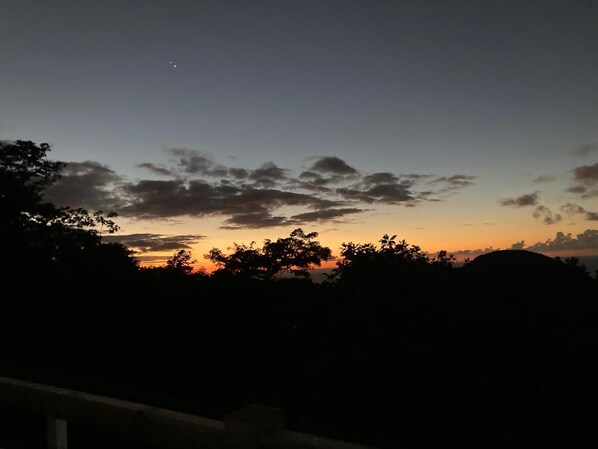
(529, 199)
(453, 183)
(585, 150)
(544, 179)
(196, 162)
(144, 243)
(154, 168)
(546, 215)
(576, 209)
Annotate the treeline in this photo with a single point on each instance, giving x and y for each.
(396, 349)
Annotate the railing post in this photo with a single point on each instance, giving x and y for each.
(245, 427)
(57, 434)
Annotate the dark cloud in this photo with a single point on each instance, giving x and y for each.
(380, 178)
(268, 175)
(251, 199)
(155, 242)
(329, 191)
(85, 184)
(418, 176)
(311, 176)
(542, 213)
(585, 181)
(238, 173)
(545, 178)
(325, 215)
(196, 162)
(529, 199)
(545, 215)
(585, 149)
(565, 242)
(572, 209)
(390, 193)
(382, 187)
(518, 245)
(254, 220)
(325, 173)
(157, 169)
(333, 165)
(264, 219)
(192, 162)
(312, 181)
(453, 183)
(586, 174)
(576, 209)
(162, 199)
(577, 189)
(383, 193)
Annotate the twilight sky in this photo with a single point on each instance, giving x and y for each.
(462, 125)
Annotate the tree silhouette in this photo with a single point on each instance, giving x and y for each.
(24, 174)
(181, 262)
(295, 254)
(391, 261)
(37, 235)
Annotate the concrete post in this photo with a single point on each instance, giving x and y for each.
(57, 436)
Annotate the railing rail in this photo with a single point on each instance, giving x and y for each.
(252, 427)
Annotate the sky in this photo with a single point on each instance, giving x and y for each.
(464, 126)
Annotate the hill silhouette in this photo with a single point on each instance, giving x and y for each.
(523, 272)
(514, 262)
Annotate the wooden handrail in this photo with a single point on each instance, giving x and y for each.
(143, 422)
(252, 427)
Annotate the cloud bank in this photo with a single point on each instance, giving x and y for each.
(562, 242)
(144, 243)
(194, 185)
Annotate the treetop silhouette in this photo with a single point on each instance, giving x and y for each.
(38, 234)
(295, 254)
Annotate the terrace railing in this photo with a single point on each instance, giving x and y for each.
(252, 427)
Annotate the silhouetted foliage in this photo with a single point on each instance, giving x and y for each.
(181, 262)
(37, 237)
(295, 254)
(574, 265)
(24, 174)
(391, 262)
